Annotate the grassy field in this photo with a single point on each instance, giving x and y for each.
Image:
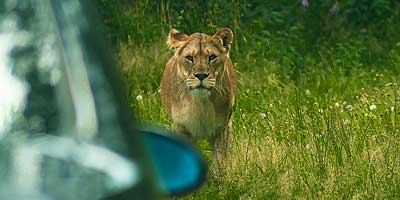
(317, 115)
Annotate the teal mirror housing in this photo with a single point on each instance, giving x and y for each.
(178, 166)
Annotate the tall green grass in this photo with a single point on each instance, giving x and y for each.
(334, 137)
(317, 114)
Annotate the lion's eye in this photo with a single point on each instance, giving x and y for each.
(189, 58)
(212, 57)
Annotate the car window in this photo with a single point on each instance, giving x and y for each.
(61, 133)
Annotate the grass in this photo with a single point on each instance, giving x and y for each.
(311, 121)
(329, 135)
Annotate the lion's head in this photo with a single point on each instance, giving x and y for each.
(201, 58)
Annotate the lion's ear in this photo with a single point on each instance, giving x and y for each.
(225, 35)
(176, 39)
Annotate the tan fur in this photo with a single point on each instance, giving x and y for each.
(200, 109)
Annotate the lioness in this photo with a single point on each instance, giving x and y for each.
(199, 85)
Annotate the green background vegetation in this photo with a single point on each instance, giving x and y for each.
(317, 112)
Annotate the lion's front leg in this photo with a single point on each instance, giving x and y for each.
(220, 143)
(182, 130)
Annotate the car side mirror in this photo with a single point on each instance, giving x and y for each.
(179, 166)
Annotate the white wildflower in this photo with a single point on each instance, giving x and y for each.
(139, 97)
(372, 107)
(350, 107)
(307, 93)
(337, 104)
(320, 110)
(392, 108)
(263, 115)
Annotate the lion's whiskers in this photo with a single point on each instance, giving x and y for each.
(192, 82)
(219, 88)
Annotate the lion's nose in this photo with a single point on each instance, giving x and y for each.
(201, 76)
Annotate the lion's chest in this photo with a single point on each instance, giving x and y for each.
(198, 117)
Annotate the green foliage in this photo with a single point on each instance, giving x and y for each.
(317, 113)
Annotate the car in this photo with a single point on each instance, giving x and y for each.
(66, 131)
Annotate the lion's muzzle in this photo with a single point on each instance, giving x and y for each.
(200, 81)
(201, 76)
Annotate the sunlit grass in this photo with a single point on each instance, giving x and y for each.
(332, 133)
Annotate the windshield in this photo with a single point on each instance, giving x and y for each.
(60, 130)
